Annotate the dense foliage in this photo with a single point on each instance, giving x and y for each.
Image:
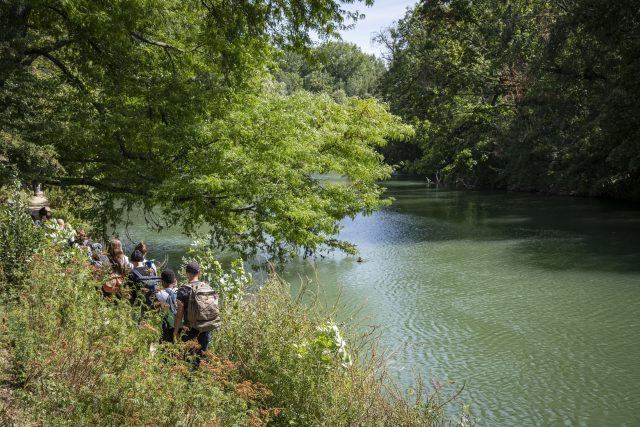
(171, 104)
(20, 240)
(521, 94)
(71, 357)
(336, 68)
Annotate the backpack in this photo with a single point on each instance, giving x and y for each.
(148, 282)
(112, 286)
(202, 310)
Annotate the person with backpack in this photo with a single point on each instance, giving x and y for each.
(198, 305)
(120, 266)
(98, 259)
(167, 299)
(142, 281)
(142, 247)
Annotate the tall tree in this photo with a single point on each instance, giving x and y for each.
(522, 94)
(169, 105)
(456, 72)
(577, 125)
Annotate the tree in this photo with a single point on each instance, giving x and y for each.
(456, 73)
(577, 127)
(521, 94)
(169, 105)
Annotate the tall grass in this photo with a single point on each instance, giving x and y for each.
(78, 359)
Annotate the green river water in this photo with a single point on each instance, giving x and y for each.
(532, 301)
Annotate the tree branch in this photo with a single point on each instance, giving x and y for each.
(74, 79)
(74, 181)
(146, 40)
(244, 209)
(33, 53)
(129, 155)
(586, 74)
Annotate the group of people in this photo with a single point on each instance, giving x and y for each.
(190, 312)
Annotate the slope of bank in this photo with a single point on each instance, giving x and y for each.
(75, 358)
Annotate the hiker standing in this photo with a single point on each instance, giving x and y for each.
(81, 239)
(119, 260)
(142, 247)
(167, 298)
(120, 266)
(142, 281)
(199, 302)
(98, 259)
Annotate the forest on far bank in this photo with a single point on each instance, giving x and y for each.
(527, 95)
(530, 95)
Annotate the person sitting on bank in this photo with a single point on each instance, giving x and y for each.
(167, 299)
(44, 216)
(200, 319)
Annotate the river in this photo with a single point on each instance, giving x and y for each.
(532, 301)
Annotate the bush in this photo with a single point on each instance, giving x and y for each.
(314, 376)
(20, 241)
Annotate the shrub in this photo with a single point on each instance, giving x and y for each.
(20, 240)
(232, 285)
(297, 353)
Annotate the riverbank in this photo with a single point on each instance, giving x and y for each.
(78, 359)
(524, 190)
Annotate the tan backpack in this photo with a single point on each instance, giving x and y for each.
(202, 310)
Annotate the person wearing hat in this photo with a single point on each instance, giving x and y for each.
(192, 270)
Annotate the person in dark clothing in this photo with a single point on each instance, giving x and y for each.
(44, 216)
(192, 271)
(98, 259)
(142, 247)
(142, 281)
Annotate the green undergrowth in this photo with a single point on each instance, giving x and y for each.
(78, 359)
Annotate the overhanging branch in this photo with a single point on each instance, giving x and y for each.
(73, 181)
(68, 74)
(158, 43)
(128, 154)
(33, 53)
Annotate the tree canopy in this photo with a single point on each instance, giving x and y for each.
(170, 105)
(521, 94)
(337, 68)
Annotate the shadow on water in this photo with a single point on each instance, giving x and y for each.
(552, 233)
(577, 254)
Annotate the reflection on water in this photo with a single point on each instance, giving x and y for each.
(532, 300)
